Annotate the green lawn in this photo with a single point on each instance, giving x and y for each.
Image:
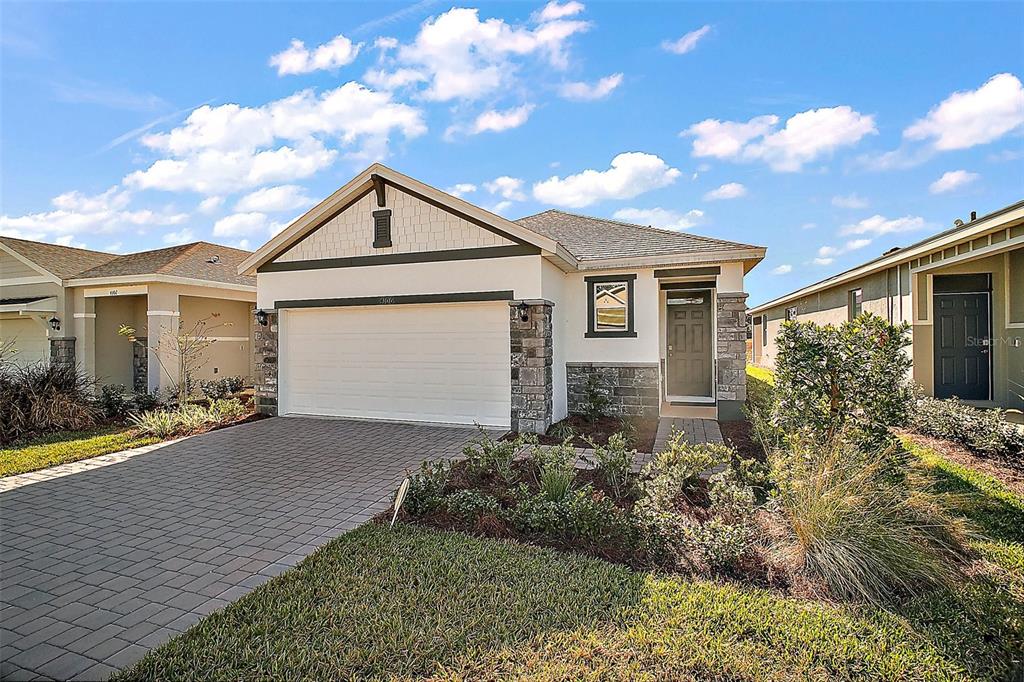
(68, 446)
(413, 602)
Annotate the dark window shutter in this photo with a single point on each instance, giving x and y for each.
(381, 229)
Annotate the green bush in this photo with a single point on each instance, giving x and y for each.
(985, 432)
(160, 423)
(470, 505)
(115, 401)
(847, 378)
(582, 514)
(221, 388)
(227, 410)
(614, 462)
(426, 488)
(596, 402)
(556, 470)
(143, 402)
(563, 431)
(44, 397)
(187, 418)
(676, 471)
(858, 529)
(488, 457)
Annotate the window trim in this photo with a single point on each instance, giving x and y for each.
(851, 297)
(630, 331)
(764, 331)
(382, 240)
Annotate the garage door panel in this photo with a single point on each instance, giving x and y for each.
(443, 363)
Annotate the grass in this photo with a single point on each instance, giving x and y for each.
(62, 447)
(415, 602)
(761, 374)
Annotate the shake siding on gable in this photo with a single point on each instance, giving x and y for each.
(416, 226)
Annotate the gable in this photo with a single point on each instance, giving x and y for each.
(416, 226)
(12, 268)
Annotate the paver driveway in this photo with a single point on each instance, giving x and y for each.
(98, 567)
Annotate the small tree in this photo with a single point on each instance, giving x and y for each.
(851, 377)
(595, 402)
(187, 344)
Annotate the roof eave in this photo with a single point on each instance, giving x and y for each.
(158, 278)
(754, 255)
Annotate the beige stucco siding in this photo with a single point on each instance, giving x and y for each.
(228, 323)
(416, 226)
(113, 355)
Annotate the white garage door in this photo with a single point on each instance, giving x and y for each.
(445, 363)
(29, 340)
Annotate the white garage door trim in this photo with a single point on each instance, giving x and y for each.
(441, 363)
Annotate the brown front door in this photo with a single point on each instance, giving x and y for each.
(688, 371)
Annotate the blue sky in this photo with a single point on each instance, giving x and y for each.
(827, 132)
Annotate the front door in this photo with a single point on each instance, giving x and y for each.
(963, 353)
(688, 370)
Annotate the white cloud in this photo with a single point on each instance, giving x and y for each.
(660, 217)
(783, 269)
(241, 225)
(585, 92)
(76, 213)
(334, 54)
(849, 201)
(630, 174)
(952, 180)
(805, 137)
(553, 10)
(274, 199)
(496, 121)
(210, 204)
(688, 42)
(183, 236)
(879, 225)
(855, 244)
(973, 117)
(393, 80)
(808, 226)
(507, 187)
(823, 261)
(461, 189)
(730, 190)
(461, 57)
(501, 207)
(69, 240)
(230, 148)
(826, 251)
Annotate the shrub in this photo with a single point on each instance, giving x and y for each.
(564, 431)
(856, 529)
(427, 487)
(470, 505)
(595, 402)
(162, 424)
(44, 397)
(227, 410)
(143, 402)
(486, 456)
(677, 470)
(556, 470)
(221, 388)
(851, 378)
(582, 514)
(986, 432)
(614, 463)
(115, 401)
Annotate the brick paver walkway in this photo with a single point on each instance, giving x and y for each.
(100, 566)
(695, 431)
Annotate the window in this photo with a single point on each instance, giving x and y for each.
(382, 229)
(764, 331)
(790, 314)
(855, 304)
(610, 306)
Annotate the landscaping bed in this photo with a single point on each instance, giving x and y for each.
(582, 432)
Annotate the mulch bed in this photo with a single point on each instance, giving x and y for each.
(644, 431)
(1009, 474)
(740, 435)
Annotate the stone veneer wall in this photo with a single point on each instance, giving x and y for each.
(62, 351)
(732, 355)
(631, 387)
(140, 365)
(531, 358)
(265, 348)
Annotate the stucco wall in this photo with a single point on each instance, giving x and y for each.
(31, 337)
(231, 352)
(553, 289)
(416, 226)
(113, 352)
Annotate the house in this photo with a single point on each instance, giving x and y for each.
(962, 292)
(393, 300)
(65, 304)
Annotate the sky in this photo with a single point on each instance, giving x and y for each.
(826, 132)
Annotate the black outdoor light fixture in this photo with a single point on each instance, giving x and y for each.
(524, 311)
(261, 317)
(55, 324)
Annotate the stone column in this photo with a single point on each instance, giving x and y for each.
(732, 355)
(62, 351)
(265, 351)
(531, 362)
(140, 365)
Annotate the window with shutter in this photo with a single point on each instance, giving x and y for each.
(381, 229)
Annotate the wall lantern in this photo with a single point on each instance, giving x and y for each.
(261, 317)
(524, 312)
(55, 324)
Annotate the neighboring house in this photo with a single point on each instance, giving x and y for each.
(64, 304)
(393, 300)
(962, 291)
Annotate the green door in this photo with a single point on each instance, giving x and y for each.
(689, 344)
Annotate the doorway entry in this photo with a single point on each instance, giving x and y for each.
(689, 344)
(962, 336)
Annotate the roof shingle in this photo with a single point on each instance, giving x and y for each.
(63, 261)
(589, 238)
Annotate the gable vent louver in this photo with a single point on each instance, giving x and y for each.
(382, 229)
